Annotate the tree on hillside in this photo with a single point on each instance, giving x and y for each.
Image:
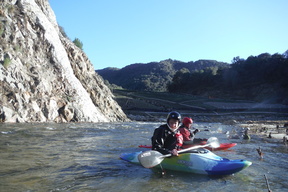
(62, 31)
(78, 43)
(195, 82)
(237, 60)
(178, 82)
(285, 55)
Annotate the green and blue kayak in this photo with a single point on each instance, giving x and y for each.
(199, 161)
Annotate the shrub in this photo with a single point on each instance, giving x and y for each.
(62, 31)
(6, 62)
(78, 43)
(1, 28)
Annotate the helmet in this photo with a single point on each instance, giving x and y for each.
(186, 121)
(174, 115)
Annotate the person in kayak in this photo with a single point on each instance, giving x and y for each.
(167, 138)
(188, 132)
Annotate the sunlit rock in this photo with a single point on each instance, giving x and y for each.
(44, 77)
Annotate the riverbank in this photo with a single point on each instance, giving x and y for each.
(264, 124)
(260, 117)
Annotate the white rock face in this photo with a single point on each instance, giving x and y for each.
(44, 77)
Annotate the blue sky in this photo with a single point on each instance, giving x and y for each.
(117, 33)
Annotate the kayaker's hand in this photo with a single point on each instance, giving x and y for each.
(196, 131)
(174, 152)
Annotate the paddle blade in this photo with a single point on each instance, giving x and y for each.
(149, 159)
(213, 142)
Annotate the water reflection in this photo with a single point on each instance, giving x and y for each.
(85, 157)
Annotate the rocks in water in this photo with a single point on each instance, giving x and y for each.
(246, 135)
(260, 153)
(285, 140)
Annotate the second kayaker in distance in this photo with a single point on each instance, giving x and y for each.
(167, 138)
(188, 132)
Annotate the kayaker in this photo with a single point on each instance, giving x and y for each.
(188, 132)
(167, 138)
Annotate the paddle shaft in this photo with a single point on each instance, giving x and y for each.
(188, 149)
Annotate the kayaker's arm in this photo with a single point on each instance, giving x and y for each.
(162, 150)
(158, 142)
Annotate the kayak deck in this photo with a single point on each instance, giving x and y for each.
(200, 162)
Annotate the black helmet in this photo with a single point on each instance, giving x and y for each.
(174, 115)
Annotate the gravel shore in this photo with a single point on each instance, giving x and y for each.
(265, 124)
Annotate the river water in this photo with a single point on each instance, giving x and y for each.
(85, 157)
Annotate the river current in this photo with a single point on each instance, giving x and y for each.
(85, 157)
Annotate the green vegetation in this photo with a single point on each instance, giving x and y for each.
(78, 43)
(259, 78)
(154, 76)
(2, 29)
(11, 9)
(62, 31)
(6, 62)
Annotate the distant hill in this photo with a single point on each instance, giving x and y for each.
(154, 76)
(261, 78)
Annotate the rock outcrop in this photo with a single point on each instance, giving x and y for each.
(44, 77)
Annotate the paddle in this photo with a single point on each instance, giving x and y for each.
(149, 159)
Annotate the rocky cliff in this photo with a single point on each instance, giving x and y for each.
(44, 77)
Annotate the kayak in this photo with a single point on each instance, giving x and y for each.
(200, 161)
(223, 146)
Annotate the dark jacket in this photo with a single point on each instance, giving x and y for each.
(164, 140)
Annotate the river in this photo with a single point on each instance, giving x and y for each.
(85, 157)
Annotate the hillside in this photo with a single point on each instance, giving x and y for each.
(261, 78)
(154, 76)
(44, 77)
